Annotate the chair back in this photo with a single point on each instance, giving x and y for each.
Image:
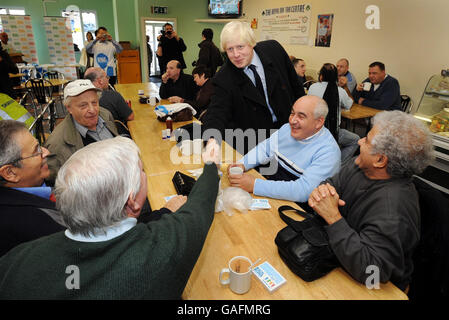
(430, 278)
(405, 103)
(38, 90)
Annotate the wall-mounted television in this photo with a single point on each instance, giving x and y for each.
(225, 8)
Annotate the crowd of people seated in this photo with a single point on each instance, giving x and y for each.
(78, 198)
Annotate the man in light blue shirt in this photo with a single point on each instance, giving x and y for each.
(346, 79)
(299, 154)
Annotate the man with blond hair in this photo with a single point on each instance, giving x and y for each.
(255, 89)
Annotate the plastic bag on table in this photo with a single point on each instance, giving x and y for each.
(236, 198)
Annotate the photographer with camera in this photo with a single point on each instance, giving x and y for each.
(170, 47)
(104, 49)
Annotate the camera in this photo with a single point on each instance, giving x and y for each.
(165, 33)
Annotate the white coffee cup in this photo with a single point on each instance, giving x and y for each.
(240, 272)
(366, 86)
(140, 92)
(186, 147)
(197, 146)
(235, 171)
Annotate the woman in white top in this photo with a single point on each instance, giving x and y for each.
(336, 98)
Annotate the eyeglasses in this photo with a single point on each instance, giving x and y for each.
(38, 153)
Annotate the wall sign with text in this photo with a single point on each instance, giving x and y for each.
(289, 25)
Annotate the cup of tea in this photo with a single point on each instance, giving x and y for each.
(366, 86)
(186, 147)
(235, 171)
(240, 272)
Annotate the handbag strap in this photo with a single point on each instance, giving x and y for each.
(298, 226)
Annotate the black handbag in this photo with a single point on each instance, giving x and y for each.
(304, 245)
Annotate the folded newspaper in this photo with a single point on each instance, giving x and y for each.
(169, 109)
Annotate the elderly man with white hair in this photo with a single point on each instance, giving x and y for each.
(371, 206)
(105, 253)
(255, 88)
(86, 122)
(302, 153)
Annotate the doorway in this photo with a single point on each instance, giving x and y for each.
(152, 28)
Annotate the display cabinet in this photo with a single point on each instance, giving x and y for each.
(433, 109)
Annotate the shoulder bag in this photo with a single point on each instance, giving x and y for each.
(304, 245)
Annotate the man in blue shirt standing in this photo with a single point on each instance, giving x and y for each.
(300, 153)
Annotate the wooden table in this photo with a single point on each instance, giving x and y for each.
(250, 234)
(358, 111)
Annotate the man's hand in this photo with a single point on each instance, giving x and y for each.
(212, 152)
(175, 35)
(175, 99)
(244, 181)
(342, 81)
(361, 100)
(164, 77)
(325, 201)
(175, 203)
(359, 87)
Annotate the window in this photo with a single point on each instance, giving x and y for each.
(12, 11)
(81, 24)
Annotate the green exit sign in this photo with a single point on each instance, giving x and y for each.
(159, 10)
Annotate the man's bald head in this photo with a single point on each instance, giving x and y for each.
(98, 77)
(174, 69)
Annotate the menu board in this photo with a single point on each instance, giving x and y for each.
(288, 24)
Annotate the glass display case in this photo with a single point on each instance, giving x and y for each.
(433, 109)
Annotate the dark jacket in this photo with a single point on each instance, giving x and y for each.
(23, 217)
(380, 226)
(172, 49)
(386, 97)
(184, 87)
(202, 101)
(149, 261)
(209, 56)
(237, 103)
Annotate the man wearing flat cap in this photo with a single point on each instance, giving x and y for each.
(86, 122)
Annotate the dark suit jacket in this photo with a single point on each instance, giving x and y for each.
(237, 103)
(184, 87)
(386, 97)
(23, 218)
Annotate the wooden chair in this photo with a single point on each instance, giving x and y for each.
(58, 92)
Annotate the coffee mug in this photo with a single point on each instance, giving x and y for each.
(186, 147)
(152, 101)
(366, 86)
(140, 92)
(235, 171)
(197, 146)
(240, 272)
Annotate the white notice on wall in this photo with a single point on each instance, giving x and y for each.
(289, 25)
